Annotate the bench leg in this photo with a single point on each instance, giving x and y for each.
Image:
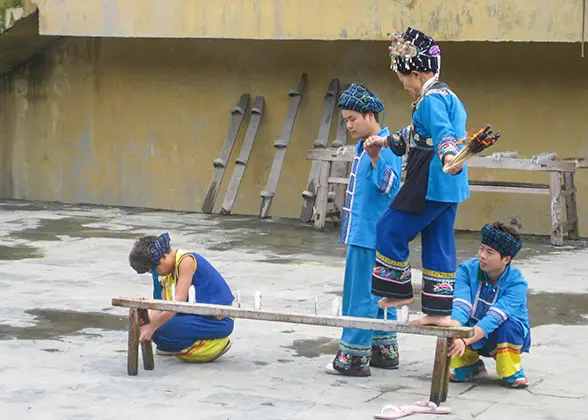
(440, 382)
(133, 351)
(571, 208)
(556, 216)
(146, 347)
(322, 196)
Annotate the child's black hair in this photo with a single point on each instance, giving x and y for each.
(139, 256)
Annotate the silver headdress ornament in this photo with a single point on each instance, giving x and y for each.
(400, 48)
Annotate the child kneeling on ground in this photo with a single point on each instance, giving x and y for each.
(491, 296)
(192, 338)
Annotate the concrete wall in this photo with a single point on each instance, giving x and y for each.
(450, 20)
(139, 122)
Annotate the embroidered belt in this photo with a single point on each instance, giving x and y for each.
(420, 142)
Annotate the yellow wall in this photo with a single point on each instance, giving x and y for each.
(451, 20)
(139, 122)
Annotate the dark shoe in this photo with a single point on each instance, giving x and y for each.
(385, 357)
(348, 365)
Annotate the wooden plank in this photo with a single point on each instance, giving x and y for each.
(146, 346)
(543, 190)
(294, 318)
(556, 216)
(220, 163)
(339, 169)
(445, 370)
(133, 344)
(571, 207)
(243, 158)
(515, 190)
(269, 192)
(335, 180)
(521, 164)
(330, 155)
(581, 163)
(440, 381)
(509, 184)
(322, 196)
(329, 107)
(475, 162)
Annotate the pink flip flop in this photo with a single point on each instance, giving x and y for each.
(428, 407)
(421, 407)
(394, 412)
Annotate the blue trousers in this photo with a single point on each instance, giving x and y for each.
(182, 330)
(358, 301)
(392, 274)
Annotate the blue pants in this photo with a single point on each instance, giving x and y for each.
(358, 301)
(182, 330)
(392, 274)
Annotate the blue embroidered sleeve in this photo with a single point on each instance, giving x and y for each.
(506, 306)
(386, 175)
(462, 305)
(436, 119)
(397, 141)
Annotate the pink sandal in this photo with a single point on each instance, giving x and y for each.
(421, 407)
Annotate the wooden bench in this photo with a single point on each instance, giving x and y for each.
(561, 188)
(138, 309)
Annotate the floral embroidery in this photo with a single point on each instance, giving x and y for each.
(447, 145)
(443, 288)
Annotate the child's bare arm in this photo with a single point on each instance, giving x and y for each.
(186, 272)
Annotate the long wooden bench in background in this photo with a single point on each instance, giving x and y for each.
(561, 188)
(139, 307)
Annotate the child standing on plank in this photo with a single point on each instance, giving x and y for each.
(427, 202)
(192, 338)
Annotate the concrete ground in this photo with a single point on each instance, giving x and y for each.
(63, 347)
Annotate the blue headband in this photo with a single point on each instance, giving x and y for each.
(158, 249)
(506, 244)
(359, 99)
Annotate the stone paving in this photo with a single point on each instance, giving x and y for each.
(63, 347)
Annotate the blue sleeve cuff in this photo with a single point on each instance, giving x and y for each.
(488, 324)
(460, 315)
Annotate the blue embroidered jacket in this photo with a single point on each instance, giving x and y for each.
(369, 193)
(438, 122)
(477, 302)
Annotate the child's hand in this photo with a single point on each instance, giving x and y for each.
(146, 332)
(375, 142)
(457, 347)
(372, 146)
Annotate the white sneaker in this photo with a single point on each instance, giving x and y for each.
(331, 370)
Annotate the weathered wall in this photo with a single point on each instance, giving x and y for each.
(450, 20)
(139, 122)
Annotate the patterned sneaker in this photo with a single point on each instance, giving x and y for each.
(348, 365)
(385, 357)
(520, 383)
(468, 373)
(517, 381)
